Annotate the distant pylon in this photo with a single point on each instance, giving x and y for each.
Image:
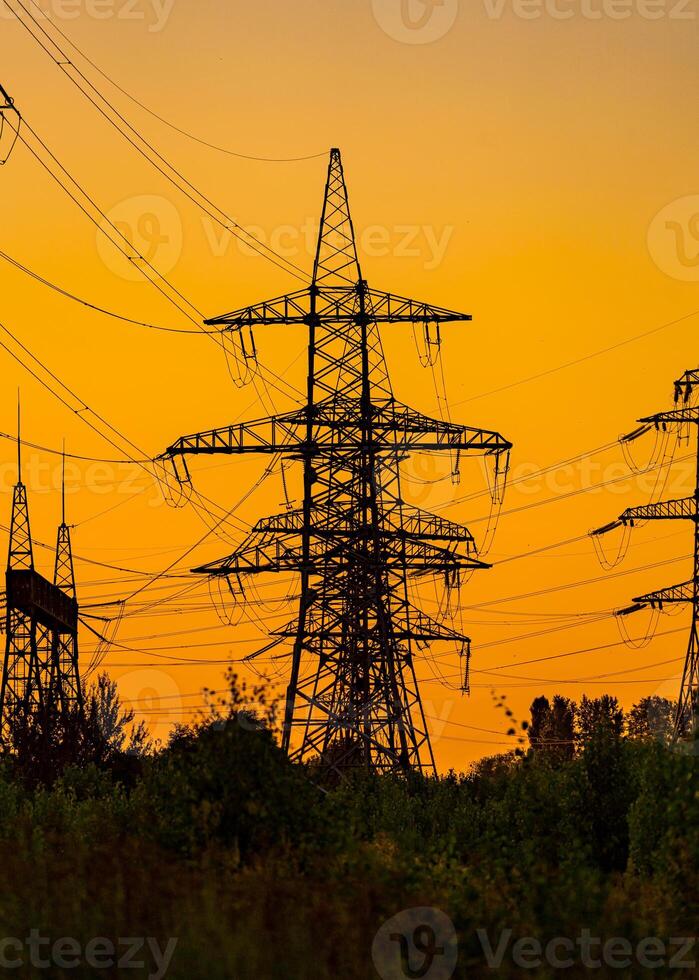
(65, 651)
(683, 417)
(21, 553)
(40, 672)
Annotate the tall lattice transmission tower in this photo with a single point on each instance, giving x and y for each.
(40, 676)
(681, 419)
(353, 698)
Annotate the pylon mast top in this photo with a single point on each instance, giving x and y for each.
(19, 438)
(336, 262)
(20, 556)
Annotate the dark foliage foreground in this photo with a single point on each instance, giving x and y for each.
(218, 841)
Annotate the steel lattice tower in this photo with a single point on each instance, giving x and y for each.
(353, 698)
(40, 674)
(684, 415)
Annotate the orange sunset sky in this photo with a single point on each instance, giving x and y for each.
(538, 172)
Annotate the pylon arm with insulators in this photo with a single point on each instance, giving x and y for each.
(408, 521)
(409, 624)
(272, 435)
(395, 429)
(665, 597)
(678, 416)
(259, 556)
(332, 304)
(407, 428)
(666, 510)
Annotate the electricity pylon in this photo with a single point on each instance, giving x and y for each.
(353, 695)
(40, 673)
(684, 415)
(68, 687)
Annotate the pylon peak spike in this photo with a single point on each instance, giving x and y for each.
(337, 262)
(63, 486)
(19, 438)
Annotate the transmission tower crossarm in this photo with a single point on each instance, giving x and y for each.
(664, 510)
(282, 310)
(389, 308)
(677, 416)
(283, 553)
(405, 521)
(410, 623)
(672, 595)
(335, 304)
(396, 426)
(278, 434)
(421, 525)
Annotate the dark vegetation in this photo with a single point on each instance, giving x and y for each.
(217, 840)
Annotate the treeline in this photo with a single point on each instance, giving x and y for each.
(217, 840)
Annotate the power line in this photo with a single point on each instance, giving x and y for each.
(167, 170)
(563, 656)
(123, 461)
(544, 471)
(573, 585)
(83, 410)
(571, 493)
(579, 360)
(168, 123)
(209, 532)
(134, 257)
(593, 677)
(98, 309)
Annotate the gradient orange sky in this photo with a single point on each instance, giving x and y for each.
(517, 169)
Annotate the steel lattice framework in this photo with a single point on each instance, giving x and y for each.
(353, 697)
(684, 416)
(40, 673)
